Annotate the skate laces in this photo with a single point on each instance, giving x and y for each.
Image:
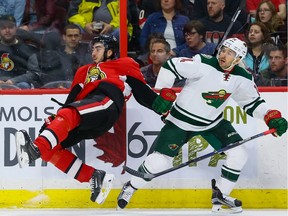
(96, 181)
(92, 184)
(228, 199)
(127, 192)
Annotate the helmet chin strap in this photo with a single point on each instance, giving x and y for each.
(235, 62)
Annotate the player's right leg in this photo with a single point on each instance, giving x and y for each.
(154, 163)
(166, 147)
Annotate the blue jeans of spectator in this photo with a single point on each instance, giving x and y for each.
(23, 85)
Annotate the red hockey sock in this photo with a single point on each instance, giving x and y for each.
(68, 163)
(85, 173)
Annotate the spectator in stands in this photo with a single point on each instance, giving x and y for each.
(160, 52)
(13, 8)
(58, 67)
(188, 8)
(280, 6)
(276, 74)
(39, 15)
(195, 36)
(166, 20)
(217, 22)
(73, 53)
(144, 58)
(98, 17)
(16, 66)
(41, 21)
(200, 10)
(258, 41)
(147, 7)
(266, 13)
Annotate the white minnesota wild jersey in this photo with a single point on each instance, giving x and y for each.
(200, 104)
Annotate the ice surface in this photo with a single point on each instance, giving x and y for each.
(135, 212)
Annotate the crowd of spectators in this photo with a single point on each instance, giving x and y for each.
(44, 42)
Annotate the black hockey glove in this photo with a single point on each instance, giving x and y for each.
(273, 119)
(73, 93)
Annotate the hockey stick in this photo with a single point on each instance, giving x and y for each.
(233, 20)
(150, 176)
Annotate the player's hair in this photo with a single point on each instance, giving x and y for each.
(71, 26)
(109, 41)
(265, 31)
(197, 25)
(275, 21)
(178, 5)
(280, 48)
(164, 42)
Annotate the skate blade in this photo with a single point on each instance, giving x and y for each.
(23, 159)
(219, 209)
(106, 187)
(118, 208)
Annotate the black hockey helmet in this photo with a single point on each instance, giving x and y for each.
(109, 41)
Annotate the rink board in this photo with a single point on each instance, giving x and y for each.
(146, 198)
(263, 182)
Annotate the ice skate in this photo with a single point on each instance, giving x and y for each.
(125, 195)
(27, 151)
(101, 184)
(219, 200)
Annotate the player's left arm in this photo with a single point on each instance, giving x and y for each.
(255, 106)
(145, 96)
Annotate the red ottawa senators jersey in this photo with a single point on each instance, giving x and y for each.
(114, 72)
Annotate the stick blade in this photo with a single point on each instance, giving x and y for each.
(145, 176)
(133, 172)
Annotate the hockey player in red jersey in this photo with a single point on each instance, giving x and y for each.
(98, 93)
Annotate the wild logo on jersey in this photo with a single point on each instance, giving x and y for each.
(6, 63)
(173, 147)
(216, 99)
(94, 73)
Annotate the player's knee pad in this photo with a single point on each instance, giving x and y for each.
(157, 162)
(236, 158)
(71, 116)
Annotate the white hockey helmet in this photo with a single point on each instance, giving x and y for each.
(237, 45)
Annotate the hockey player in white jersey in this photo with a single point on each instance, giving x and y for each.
(198, 110)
